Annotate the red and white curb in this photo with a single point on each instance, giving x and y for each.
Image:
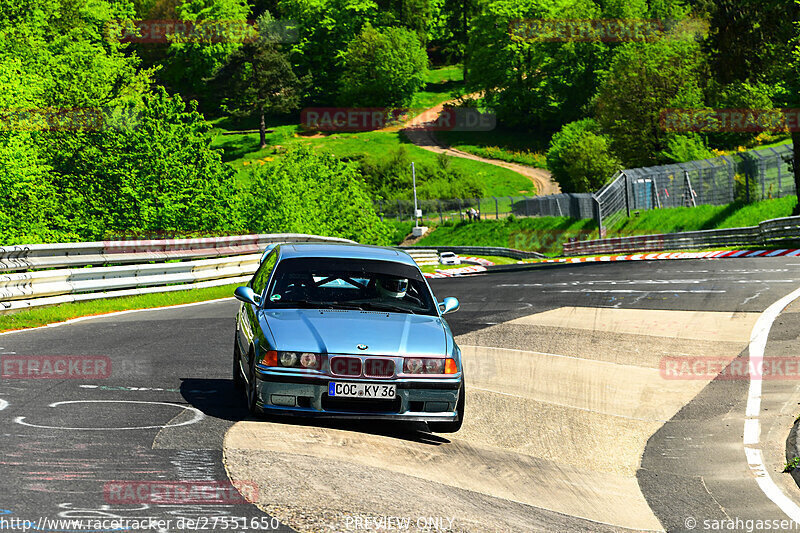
(479, 260)
(676, 255)
(463, 271)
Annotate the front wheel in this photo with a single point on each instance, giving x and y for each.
(238, 378)
(252, 391)
(451, 427)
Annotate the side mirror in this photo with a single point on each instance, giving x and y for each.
(246, 295)
(448, 305)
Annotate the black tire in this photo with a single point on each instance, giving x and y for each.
(238, 378)
(252, 400)
(451, 427)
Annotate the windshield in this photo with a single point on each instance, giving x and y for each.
(325, 283)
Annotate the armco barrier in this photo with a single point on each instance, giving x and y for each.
(479, 250)
(200, 263)
(36, 256)
(768, 233)
(423, 257)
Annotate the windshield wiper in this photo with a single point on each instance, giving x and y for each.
(388, 307)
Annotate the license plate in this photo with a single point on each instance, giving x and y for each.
(372, 391)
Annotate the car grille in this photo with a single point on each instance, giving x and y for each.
(346, 366)
(379, 368)
(357, 405)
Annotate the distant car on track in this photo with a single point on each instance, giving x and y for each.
(347, 331)
(449, 258)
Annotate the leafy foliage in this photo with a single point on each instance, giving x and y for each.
(643, 80)
(579, 157)
(382, 68)
(390, 178)
(304, 192)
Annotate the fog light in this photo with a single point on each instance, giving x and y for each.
(279, 399)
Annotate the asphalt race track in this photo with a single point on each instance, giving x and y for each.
(571, 422)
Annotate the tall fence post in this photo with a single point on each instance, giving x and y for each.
(496, 209)
(441, 217)
(399, 211)
(460, 210)
(627, 200)
(598, 216)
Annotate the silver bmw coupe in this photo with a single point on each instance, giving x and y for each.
(347, 331)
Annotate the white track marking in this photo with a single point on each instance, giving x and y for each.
(116, 313)
(198, 416)
(3, 404)
(752, 426)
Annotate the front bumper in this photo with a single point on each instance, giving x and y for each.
(299, 394)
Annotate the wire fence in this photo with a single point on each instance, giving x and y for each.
(493, 207)
(747, 176)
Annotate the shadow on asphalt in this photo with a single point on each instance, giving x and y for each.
(217, 398)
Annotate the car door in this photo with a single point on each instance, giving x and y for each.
(248, 314)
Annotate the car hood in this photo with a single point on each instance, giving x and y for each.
(342, 331)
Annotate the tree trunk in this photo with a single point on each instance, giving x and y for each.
(263, 131)
(796, 167)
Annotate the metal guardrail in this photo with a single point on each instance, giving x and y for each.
(480, 250)
(768, 233)
(423, 256)
(227, 260)
(37, 256)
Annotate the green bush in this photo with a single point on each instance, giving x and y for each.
(382, 68)
(741, 186)
(580, 158)
(683, 148)
(155, 174)
(305, 192)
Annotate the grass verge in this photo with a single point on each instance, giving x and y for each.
(501, 143)
(59, 313)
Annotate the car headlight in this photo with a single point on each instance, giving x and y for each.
(429, 365)
(307, 360)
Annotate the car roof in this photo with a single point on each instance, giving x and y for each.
(344, 251)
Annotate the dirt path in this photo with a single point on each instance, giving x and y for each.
(425, 138)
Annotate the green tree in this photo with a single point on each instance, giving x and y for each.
(305, 192)
(529, 82)
(325, 27)
(191, 59)
(154, 173)
(382, 68)
(580, 157)
(643, 80)
(258, 80)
